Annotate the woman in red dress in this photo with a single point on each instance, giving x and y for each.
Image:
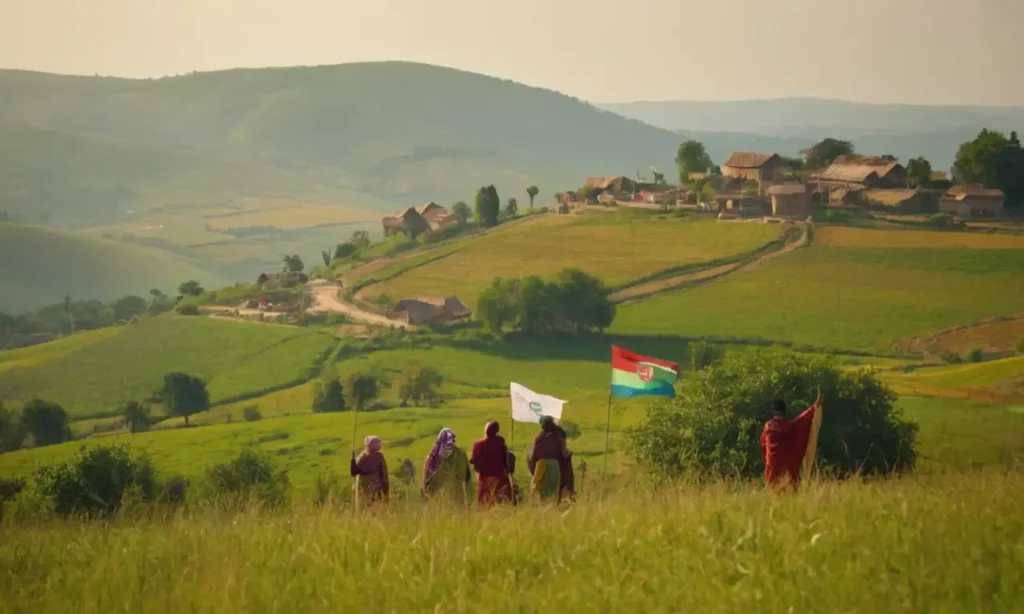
(493, 464)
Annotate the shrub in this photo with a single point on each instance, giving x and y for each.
(136, 416)
(329, 397)
(363, 388)
(704, 354)
(96, 481)
(420, 384)
(187, 310)
(251, 476)
(975, 355)
(46, 422)
(950, 357)
(327, 489)
(12, 430)
(173, 492)
(251, 413)
(714, 426)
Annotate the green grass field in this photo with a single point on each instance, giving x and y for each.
(948, 543)
(100, 370)
(842, 297)
(617, 247)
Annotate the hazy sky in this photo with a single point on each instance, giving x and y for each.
(924, 51)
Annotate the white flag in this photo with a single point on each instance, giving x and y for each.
(528, 406)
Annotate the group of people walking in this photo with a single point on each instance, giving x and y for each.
(447, 469)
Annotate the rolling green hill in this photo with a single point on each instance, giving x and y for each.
(40, 266)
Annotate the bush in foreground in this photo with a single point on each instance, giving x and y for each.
(96, 481)
(251, 476)
(714, 426)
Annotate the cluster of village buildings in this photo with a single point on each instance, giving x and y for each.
(875, 182)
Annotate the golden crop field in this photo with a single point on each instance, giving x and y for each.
(290, 216)
(617, 248)
(843, 236)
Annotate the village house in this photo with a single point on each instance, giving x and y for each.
(972, 201)
(276, 281)
(406, 221)
(905, 200)
(790, 200)
(737, 204)
(436, 216)
(752, 166)
(617, 186)
(846, 195)
(864, 171)
(430, 310)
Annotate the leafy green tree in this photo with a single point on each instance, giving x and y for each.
(919, 172)
(12, 430)
(293, 263)
(184, 395)
(462, 212)
(512, 207)
(714, 425)
(159, 303)
(532, 191)
(136, 416)
(344, 250)
(46, 422)
(363, 388)
(420, 384)
(691, 157)
(995, 161)
(361, 239)
(190, 288)
(127, 307)
(497, 304)
(822, 153)
(582, 301)
(329, 397)
(795, 164)
(488, 206)
(537, 307)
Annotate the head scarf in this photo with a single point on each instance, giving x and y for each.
(442, 449)
(373, 443)
(492, 428)
(547, 423)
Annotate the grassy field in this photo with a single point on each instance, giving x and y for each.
(617, 247)
(993, 380)
(95, 372)
(900, 546)
(846, 297)
(82, 267)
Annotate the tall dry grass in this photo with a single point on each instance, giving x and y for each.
(949, 543)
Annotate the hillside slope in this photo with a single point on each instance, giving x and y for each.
(40, 266)
(394, 129)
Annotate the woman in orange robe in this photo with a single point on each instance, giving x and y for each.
(784, 444)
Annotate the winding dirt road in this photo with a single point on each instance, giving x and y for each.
(324, 299)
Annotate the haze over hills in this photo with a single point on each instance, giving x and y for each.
(904, 130)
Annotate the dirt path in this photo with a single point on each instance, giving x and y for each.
(324, 299)
(703, 276)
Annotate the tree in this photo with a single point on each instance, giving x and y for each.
(994, 161)
(919, 172)
(12, 430)
(420, 384)
(713, 427)
(184, 395)
(512, 208)
(344, 250)
(159, 303)
(462, 212)
(190, 288)
(127, 307)
(794, 164)
(136, 416)
(292, 263)
(691, 157)
(325, 255)
(361, 239)
(46, 422)
(362, 388)
(329, 397)
(822, 153)
(488, 206)
(496, 305)
(582, 301)
(532, 191)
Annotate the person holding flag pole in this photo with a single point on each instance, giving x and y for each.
(636, 375)
(789, 446)
(549, 446)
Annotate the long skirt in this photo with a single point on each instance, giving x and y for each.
(546, 479)
(490, 491)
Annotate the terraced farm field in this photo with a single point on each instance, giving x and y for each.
(846, 296)
(617, 247)
(94, 373)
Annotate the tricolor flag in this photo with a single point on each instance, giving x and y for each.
(528, 406)
(635, 375)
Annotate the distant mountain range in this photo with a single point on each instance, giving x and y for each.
(903, 130)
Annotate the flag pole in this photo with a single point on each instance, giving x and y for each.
(511, 448)
(607, 437)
